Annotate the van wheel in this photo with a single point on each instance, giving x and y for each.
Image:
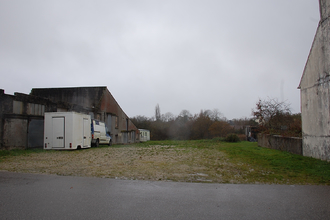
(97, 143)
(110, 143)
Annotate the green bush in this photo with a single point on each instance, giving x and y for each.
(232, 138)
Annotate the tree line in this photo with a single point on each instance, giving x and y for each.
(186, 126)
(269, 116)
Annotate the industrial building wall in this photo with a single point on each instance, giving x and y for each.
(74, 98)
(22, 121)
(21, 132)
(122, 127)
(96, 101)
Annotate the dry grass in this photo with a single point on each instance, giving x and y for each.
(143, 163)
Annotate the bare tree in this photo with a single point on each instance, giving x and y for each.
(168, 116)
(141, 121)
(271, 113)
(185, 115)
(216, 115)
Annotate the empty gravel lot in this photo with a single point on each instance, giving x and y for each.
(130, 162)
(184, 161)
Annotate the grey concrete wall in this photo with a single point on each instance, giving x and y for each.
(15, 134)
(317, 147)
(315, 91)
(277, 142)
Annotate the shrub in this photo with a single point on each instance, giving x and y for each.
(232, 138)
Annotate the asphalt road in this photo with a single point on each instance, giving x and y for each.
(35, 196)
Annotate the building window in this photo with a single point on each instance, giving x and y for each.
(116, 122)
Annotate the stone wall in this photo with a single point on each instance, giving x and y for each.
(277, 142)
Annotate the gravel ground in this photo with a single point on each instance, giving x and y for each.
(167, 163)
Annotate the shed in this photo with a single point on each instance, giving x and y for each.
(144, 135)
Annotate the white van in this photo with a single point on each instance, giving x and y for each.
(100, 133)
(67, 131)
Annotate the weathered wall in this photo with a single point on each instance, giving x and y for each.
(317, 147)
(21, 120)
(79, 99)
(15, 133)
(315, 91)
(277, 142)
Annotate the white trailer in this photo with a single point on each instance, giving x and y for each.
(67, 130)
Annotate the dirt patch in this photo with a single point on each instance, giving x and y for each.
(167, 163)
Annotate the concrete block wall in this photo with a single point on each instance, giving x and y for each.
(277, 142)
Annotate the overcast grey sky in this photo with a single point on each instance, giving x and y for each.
(181, 54)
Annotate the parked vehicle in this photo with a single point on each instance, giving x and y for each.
(100, 133)
(67, 131)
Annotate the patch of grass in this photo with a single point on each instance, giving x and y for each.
(17, 152)
(282, 167)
